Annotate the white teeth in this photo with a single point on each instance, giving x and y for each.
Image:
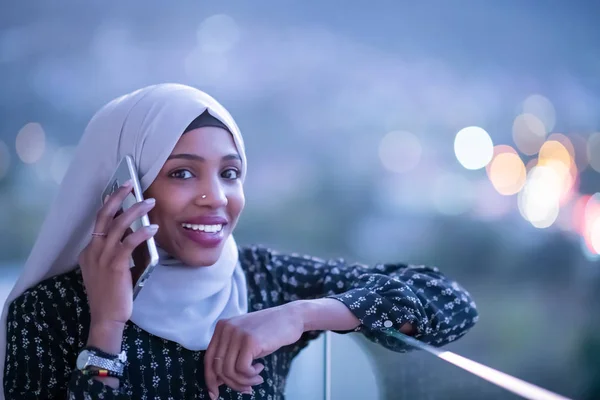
(204, 228)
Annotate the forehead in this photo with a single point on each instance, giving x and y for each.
(206, 141)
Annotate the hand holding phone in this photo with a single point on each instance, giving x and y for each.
(105, 263)
(144, 257)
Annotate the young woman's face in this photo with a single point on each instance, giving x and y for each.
(199, 196)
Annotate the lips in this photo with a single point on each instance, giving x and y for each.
(205, 231)
(204, 239)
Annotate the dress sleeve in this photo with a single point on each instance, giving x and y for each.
(41, 354)
(382, 297)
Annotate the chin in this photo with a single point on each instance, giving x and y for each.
(202, 258)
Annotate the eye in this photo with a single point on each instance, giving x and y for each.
(181, 174)
(231, 174)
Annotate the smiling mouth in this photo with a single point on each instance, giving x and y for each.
(216, 228)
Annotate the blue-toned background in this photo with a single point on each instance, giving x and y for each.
(351, 111)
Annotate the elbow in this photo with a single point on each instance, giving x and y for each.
(470, 312)
(470, 316)
(464, 321)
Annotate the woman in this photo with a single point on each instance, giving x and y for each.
(213, 320)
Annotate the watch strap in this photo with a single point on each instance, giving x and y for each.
(101, 373)
(97, 358)
(112, 365)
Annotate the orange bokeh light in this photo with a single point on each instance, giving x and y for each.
(507, 173)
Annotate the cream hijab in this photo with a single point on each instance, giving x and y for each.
(177, 303)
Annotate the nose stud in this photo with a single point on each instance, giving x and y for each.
(203, 196)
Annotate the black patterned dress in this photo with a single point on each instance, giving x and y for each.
(48, 325)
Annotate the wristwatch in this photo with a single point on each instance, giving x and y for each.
(93, 357)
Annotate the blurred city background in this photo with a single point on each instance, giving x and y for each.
(461, 134)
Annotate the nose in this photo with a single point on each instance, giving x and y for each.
(211, 194)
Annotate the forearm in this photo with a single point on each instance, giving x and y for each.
(107, 337)
(332, 315)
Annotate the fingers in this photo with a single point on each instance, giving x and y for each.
(228, 360)
(221, 353)
(110, 248)
(132, 241)
(244, 364)
(111, 206)
(121, 224)
(209, 373)
(240, 380)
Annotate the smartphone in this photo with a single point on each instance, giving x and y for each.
(145, 257)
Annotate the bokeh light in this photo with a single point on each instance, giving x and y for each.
(507, 173)
(473, 147)
(554, 151)
(500, 149)
(593, 151)
(556, 157)
(4, 159)
(218, 34)
(400, 151)
(578, 213)
(529, 133)
(31, 143)
(591, 218)
(542, 108)
(565, 142)
(595, 235)
(539, 200)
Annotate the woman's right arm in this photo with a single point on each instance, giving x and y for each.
(106, 271)
(41, 353)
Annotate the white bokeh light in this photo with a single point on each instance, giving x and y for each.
(473, 147)
(400, 151)
(218, 34)
(31, 143)
(595, 235)
(539, 201)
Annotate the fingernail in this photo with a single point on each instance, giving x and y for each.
(150, 201)
(153, 228)
(127, 183)
(106, 198)
(212, 395)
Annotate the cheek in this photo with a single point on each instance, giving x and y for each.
(236, 204)
(164, 210)
(156, 216)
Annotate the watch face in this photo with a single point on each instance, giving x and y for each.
(83, 359)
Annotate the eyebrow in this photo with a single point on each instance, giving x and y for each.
(194, 157)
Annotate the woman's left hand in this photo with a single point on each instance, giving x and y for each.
(238, 341)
